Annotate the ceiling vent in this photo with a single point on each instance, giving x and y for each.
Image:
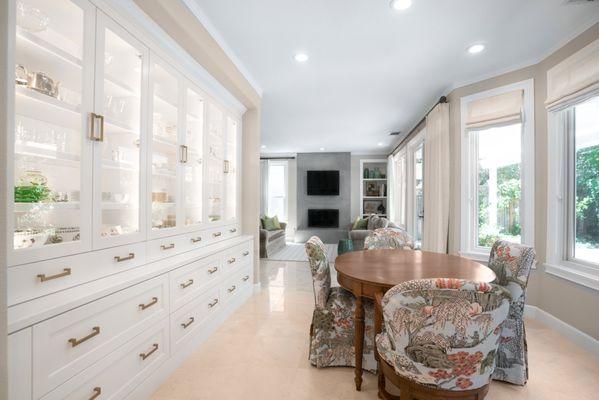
(395, 133)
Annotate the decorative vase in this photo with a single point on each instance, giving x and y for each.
(366, 174)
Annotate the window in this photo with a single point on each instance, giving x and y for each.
(497, 168)
(418, 182)
(583, 178)
(499, 185)
(400, 183)
(277, 190)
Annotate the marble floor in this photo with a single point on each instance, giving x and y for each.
(261, 353)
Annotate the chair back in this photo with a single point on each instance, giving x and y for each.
(512, 264)
(445, 332)
(389, 238)
(321, 272)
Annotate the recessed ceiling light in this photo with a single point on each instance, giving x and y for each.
(301, 57)
(400, 5)
(263, 146)
(322, 149)
(380, 144)
(476, 48)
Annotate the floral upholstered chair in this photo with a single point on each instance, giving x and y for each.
(332, 329)
(440, 337)
(389, 238)
(512, 264)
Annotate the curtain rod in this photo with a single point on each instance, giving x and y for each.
(442, 100)
(277, 158)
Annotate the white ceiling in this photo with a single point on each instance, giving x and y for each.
(373, 70)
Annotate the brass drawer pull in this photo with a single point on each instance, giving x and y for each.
(186, 284)
(246, 253)
(233, 230)
(232, 289)
(76, 342)
(149, 353)
(212, 270)
(97, 393)
(196, 240)
(150, 304)
(216, 234)
(245, 278)
(92, 122)
(44, 278)
(167, 247)
(131, 256)
(215, 302)
(231, 260)
(184, 325)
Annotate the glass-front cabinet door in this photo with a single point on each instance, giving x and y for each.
(166, 152)
(215, 163)
(116, 130)
(50, 165)
(192, 159)
(230, 169)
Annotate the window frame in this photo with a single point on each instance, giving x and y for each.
(400, 162)
(469, 166)
(561, 201)
(410, 215)
(285, 165)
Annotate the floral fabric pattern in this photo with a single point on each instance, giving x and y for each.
(443, 333)
(512, 264)
(389, 238)
(332, 332)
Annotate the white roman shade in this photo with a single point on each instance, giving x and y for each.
(574, 79)
(497, 110)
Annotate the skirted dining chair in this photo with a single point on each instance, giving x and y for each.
(389, 238)
(512, 264)
(332, 329)
(439, 338)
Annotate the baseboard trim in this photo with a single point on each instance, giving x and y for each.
(582, 339)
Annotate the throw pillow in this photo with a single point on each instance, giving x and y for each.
(360, 224)
(270, 225)
(376, 222)
(276, 222)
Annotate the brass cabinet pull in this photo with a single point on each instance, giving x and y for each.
(167, 247)
(149, 353)
(196, 240)
(246, 253)
(215, 302)
(212, 270)
(231, 260)
(131, 256)
(184, 325)
(245, 278)
(186, 284)
(232, 289)
(150, 304)
(233, 230)
(183, 149)
(92, 131)
(226, 166)
(216, 234)
(76, 342)
(97, 392)
(44, 278)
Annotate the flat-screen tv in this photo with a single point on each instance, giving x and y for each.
(323, 183)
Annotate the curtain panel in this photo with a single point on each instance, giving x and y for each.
(575, 79)
(497, 110)
(391, 187)
(436, 180)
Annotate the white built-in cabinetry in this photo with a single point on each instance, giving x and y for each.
(124, 247)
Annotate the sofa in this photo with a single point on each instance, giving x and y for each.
(357, 236)
(271, 241)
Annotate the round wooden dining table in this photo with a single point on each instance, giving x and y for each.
(367, 272)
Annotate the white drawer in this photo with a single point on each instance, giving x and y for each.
(187, 320)
(236, 284)
(237, 256)
(190, 280)
(29, 281)
(215, 235)
(117, 374)
(65, 345)
(231, 231)
(195, 240)
(166, 247)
